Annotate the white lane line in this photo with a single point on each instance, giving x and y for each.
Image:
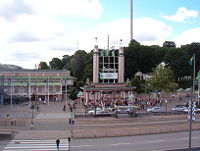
(155, 141)
(23, 147)
(61, 149)
(37, 142)
(119, 144)
(16, 145)
(183, 138)
(195, 137)
(82, 146)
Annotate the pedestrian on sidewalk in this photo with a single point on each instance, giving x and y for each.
(58, 143)
(38, 108)
(64, 107)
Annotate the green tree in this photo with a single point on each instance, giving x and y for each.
(191, 49)
(162, 80)
(131, 59)
(66, 60)
(177, 60)
(77, 64)
(139, 84)
(169, 44)
(160, 53)
(139, 58)
(56, 64)
(43, 65)
(88, 71)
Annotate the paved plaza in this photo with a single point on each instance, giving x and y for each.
(51, 122)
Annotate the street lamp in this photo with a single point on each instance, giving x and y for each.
(166, 104)
(32, 124)
(11, 91)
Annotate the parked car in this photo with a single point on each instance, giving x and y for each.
(104, 113)
(156, 109)
(92, 112)
(179, 108)
(124, 111)
(196, 110)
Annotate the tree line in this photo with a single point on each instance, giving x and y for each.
(137, 58)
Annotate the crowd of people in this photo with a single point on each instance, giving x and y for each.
(140, 102)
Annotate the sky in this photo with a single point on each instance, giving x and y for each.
(32, 31)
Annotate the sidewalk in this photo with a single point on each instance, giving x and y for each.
(108, 127)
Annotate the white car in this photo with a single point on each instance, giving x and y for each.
(179, 108)
(156, 109)
(124, 111)
(92, 112)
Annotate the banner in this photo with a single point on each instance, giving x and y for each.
(108, 75)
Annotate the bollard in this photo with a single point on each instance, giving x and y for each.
(69, 140)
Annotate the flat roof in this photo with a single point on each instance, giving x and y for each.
(108, 88)
(33, 70)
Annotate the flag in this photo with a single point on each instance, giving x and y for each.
(198, 76)
(191, 60)
(113, 52)
(102, 53)
(107, 51)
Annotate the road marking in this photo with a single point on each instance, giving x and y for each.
(155, 141)
(35, 145)
(83, 146)
(35, 149)
(119, 144)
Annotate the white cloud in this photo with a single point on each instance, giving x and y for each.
(150, 31)
(10, 9)
(30, 37)
(187, 37)
(181, 15)
(53, 41)
(86, 8)
(147, 31)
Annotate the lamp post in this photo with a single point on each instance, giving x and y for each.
(11, 91)
(32, 124)
(166, 104)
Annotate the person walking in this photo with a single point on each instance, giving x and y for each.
(58, 143)
(64, 108)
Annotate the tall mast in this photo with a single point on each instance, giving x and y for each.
(131, 19)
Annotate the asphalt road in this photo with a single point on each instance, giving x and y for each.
(157, 142)
(3, 143)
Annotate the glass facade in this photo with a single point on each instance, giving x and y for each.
(108, 66)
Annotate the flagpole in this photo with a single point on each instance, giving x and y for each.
(194, 75)
(191, 103)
